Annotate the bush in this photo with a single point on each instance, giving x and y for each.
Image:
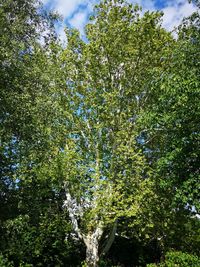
(178, 259)
(4, 262)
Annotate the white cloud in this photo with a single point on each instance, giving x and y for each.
(148, 5)
(174, 13)
(61, 33)
(170, 17)
(67, 7)
(78, 21)
(145, 4)
(174, 10)
(75, 12)
(45, 1)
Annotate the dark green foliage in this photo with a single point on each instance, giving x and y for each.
(173, 117)
(179, 259)
(4, 262)
(40, 234)
(33, 227)
(132, 252)
(44, 244)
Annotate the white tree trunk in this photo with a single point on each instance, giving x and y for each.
(91, 239)
(92, 253)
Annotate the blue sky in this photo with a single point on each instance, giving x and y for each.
(75, 12)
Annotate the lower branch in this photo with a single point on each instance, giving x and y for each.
(108, 243)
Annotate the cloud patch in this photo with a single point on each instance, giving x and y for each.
(67, 8)
(173, 14)
(79, 20)
(75, 12)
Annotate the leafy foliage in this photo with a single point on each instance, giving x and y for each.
(97, 134)
(178, 259)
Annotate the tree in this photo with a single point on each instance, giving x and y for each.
(104, 172)
(103, 131)
(29, 121)
(170, 124)
(173, 116)
(41, 233)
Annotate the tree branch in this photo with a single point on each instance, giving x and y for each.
(108, 243)
(74, 210)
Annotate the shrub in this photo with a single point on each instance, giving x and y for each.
(178, 259)
(4, 262)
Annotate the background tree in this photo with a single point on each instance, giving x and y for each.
(30, 222)
(171, 138)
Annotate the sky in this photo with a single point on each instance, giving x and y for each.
(75, 13)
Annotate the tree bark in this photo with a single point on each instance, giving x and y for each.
(92, 255)
(92, 247)
(90, 239)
